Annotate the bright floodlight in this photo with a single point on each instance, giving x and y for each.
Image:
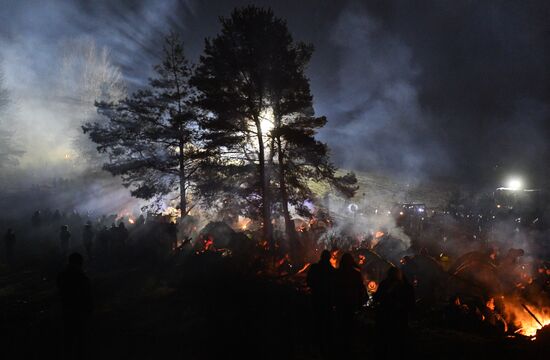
(515, 184)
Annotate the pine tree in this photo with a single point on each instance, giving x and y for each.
(300, 159)
(251, 78)
(151, 137)
(234, 76)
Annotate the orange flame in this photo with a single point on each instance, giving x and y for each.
(490, 304)
(334, 258)
(517, 315)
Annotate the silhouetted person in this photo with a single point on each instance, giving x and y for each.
(76, 305)
(88, 238)
(36, 219)
(173, 234)
(64, 239)
(320, 279)
(140, 220)
(122, 233)
(9, 242)
(103, 241)
(120, 237)
(350, 294)
(113, 237)
(395, 300)
(56, 216)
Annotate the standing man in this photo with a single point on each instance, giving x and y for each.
(87, 238)
(76, 305)
(395, 300)
(320, 279)
(64, 237)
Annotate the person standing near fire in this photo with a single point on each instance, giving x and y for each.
(75, 293)
(350, 295)
(320, 279)
(394, 301)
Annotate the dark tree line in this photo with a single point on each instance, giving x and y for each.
(237, 131)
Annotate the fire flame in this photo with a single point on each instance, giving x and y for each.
(526, 325)
(334, 258)
(490, 304)
(243, 223)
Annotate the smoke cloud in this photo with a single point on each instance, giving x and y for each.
(378, 100)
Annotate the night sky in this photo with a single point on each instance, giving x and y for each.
(456, 90)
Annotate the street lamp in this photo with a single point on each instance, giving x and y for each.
(515, 184)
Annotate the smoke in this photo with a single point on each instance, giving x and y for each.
(437, 89)
(382, 123)
(58, 58)
(372, 210)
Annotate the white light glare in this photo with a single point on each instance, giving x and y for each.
(267, 121)
(515, 184)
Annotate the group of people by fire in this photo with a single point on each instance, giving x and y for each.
(483, 287)
(339, 293)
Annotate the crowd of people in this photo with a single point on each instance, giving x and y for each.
(102, 240)
(338, 291)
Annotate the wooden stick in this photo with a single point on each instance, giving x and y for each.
(530, 313)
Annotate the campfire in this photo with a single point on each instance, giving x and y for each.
(526, 319)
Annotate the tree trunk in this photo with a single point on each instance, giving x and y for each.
(266, 200)
(183, 198)
(289, 224)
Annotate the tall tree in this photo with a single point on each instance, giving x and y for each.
(151, 137)
(251, 79)
(300, 159)
(234, 77)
